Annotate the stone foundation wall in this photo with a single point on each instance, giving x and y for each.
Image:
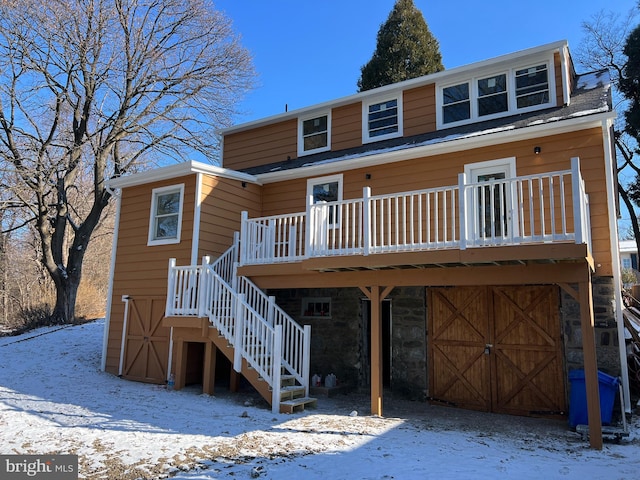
(338, 341)
(606, 333)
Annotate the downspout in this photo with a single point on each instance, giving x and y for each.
(114, 245)
(615, 261)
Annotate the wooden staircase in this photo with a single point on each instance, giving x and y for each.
(263, 343)
(293, 397)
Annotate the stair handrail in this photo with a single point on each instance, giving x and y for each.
(296, 345)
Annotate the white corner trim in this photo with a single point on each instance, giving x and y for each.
(195, 240)
(615, 256)
(112, 266)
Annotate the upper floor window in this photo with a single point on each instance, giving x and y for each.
(492, 95)
(382, 119)
(456, 105)
(314, 134)
(532, 86)
(489, 96)
(166, 215)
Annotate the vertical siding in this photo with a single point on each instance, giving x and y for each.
(261, 146)
(141, 270)
(419, 110)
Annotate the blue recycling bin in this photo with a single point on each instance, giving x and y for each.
(608, 387)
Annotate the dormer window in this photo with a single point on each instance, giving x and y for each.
(495, 94)
(492, 95)
(314, 134)
(382, 119)
(532, 86)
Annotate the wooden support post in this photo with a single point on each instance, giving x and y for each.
(234, 380)
(376, 353)
(376, 296)
(590, 363)
(181, 364)
(209, 373)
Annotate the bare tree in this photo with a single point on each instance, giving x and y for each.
(99, 86)
(603, 47)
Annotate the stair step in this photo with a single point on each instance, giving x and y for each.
(292, 392)
(297, 404)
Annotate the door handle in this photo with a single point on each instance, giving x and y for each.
(487, 348)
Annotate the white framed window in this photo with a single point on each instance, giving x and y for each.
(626, 262)
(492, 95)
(456, 103)
(314, 134)
(165, 222)
(495, 94)
(316, 307)
(382, 118)
(532, 86)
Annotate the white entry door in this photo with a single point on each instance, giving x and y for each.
(491, 202)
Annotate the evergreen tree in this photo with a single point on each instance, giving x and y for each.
(630, 83)
(405, 49)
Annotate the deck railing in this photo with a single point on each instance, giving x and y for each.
(543, 208)
(258, 329)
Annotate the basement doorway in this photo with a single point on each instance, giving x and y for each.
(386, 341)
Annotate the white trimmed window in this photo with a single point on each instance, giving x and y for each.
(316, 307)
(382, 119)
(314, 134)
(495, 94)
(166, 215)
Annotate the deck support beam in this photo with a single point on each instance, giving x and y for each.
(590, 362)
(376, 295)
(209, 373)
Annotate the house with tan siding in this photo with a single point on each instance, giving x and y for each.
(450, 238)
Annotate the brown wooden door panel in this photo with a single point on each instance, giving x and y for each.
(457, 329)
(497, 348)
(147, 341)
(527, 352)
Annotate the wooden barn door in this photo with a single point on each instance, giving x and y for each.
(527, 357)
(146, 349)
(458, 334)
(496, 349)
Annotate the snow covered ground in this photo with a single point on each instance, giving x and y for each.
(54, 399)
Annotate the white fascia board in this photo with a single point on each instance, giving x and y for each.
(179, 170)
(397, 87)
(446, 146)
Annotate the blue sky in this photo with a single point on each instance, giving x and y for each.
(307, 52)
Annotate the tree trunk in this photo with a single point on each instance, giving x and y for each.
(66, 295)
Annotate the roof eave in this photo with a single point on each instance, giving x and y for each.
(178, 170)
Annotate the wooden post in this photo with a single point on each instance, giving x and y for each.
(376, 353)
(209, 373)
(376, 296)
(181, 364)
(590, 363)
